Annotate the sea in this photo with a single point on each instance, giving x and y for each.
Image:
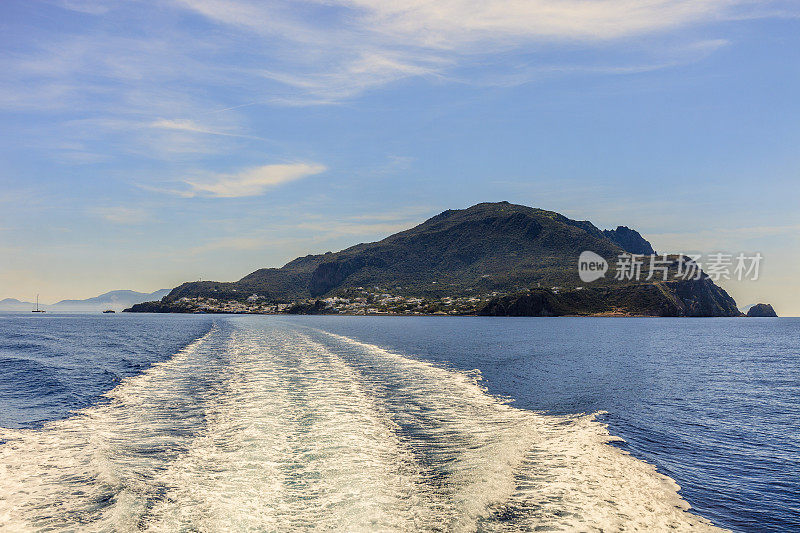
(138, 422)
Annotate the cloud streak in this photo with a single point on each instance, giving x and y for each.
(122, 215)
(147, 80)
(190, 126)
(364, 44)
(327, 51)
(252, 181)
(448, 24)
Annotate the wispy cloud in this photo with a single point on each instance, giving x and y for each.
(352, 74)
(325, 51)
(148, 83)
(411, 213)
(337, 49)
(240, 244)
(92, 7)
(252, 181)
(122, 215)
(191, 126)
(344, 229)
(451, 24)
(712, 239)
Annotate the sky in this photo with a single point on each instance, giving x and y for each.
(145, 143)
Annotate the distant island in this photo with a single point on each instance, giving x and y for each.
(117, 300)
(491, 259)
(761, 310)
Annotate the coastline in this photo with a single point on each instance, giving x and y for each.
(406, 315)
(677, 298)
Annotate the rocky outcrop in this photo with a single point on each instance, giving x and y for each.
(629, 240)
(762, 310)
(538, 302)
(160, 307)
(690, 298)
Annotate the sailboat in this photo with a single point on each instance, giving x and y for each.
(37, 310)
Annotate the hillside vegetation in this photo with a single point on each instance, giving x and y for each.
(490, 254)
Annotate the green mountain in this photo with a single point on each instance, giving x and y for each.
(498, 249)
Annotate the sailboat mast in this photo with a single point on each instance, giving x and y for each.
(37, 310)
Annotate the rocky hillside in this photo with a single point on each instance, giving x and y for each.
(629, 240)
(488, 249)
(695, 298)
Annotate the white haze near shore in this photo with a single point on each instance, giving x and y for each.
(115, 300)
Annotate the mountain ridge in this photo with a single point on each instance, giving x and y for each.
(117, 299)
(474, 246)
(484, 252)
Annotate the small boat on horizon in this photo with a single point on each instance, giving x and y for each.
(109, 311)
(37, 310)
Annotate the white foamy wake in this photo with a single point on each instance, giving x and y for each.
(262, 425)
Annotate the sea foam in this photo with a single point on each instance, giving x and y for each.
(267, 425)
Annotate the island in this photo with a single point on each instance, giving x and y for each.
(491, 259)
(761, 310)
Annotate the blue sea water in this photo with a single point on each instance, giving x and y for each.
(52, 365)
(201, 422)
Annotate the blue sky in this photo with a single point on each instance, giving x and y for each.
(147, 143)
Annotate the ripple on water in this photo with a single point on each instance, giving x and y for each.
(277, 426)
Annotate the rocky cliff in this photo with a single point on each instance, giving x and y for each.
(762, 310)
(629, 240)
(691, 298)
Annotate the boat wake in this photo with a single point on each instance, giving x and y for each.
(266, 425)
